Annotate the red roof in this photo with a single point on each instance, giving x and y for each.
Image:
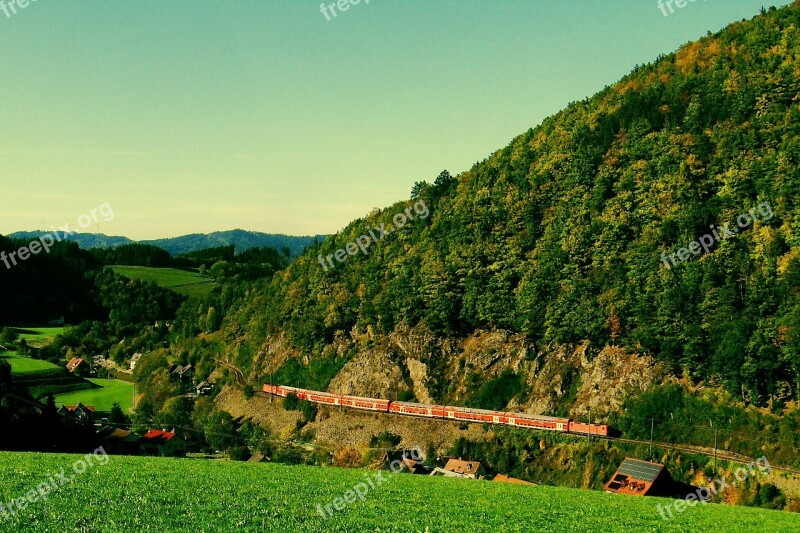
(74, 363)
(73, 407)
(156, 434)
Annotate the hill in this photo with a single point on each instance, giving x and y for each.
(583, 231)
(114, 495)
(559, 276)
(241, 239)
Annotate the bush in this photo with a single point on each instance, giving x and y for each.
(290, 403)
(385, 439)
(769, 496)
(240, 453)
(347, 458)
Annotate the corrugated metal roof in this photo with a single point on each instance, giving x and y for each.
(641, 470)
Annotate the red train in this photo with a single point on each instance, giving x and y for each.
(550, 423)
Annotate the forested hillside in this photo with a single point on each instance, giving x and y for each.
(559, 236)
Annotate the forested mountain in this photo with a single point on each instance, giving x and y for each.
(559, 236)
(241, 239)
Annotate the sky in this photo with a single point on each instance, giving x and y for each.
(193, 117)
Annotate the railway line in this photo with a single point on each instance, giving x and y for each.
(475, 416)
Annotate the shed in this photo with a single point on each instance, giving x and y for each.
(502, 478)
(641, 478)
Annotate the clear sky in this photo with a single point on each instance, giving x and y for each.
(263, 115)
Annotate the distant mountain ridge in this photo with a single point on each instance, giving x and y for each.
(241, 239)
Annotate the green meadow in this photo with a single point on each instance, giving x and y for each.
(109, 392)
(190, 284)
(159, 494)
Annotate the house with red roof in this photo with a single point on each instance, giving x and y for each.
(78, 367)
(163, 443)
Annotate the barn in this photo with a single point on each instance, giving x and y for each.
(641, 478)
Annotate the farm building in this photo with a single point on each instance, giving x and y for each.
(163, 443)
(78, 367)
(459, 468)
(78, 412)
(119, 441)
(641, 478)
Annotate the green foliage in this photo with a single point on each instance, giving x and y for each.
(387, 439)
(308, 409)
(291, 403)
(769, 496)
(680, 416)
(495, 393)
(8, 335)
(135, 254)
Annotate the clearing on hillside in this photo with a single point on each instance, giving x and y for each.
(190, 284)
(156, 494)
(27, 367)
(103, 398)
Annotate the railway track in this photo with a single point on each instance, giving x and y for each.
(238, 375)
(686, 448)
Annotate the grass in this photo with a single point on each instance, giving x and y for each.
(156, 494)
(39, 337)
(27, 367)
(109, 392)
(190, 284)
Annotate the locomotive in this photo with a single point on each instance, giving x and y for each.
(445, 412)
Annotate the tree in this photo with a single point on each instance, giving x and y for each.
(418, 188)
(8, 335)
(117, 416)
(347, 458)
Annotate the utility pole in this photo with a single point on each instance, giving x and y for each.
(651, 438)
(715, 450)
(589, 433)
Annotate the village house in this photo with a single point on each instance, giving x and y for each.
(135, 360)
(80, 412)
(119, 441)
(204, 387)
(643, 478)
(78, 367)
(162, 443)
(459, 468)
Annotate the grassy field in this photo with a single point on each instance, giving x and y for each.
(110, 391)
(25, 366)
(39, 337)
(153, 494)
(190, 284)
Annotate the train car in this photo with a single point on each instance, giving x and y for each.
(600, 430)
(303, 394)
(476, 415)
(367, 404)
(324, 398)
(416, 409)
(539, 422)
